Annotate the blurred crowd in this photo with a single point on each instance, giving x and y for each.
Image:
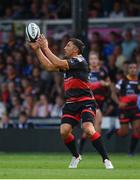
(27, 87)
(54, 9)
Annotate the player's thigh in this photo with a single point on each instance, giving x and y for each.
(135, 121)
(125, 116)
(124, 129)
(98, 118)
(88, 117)
(88, 112)
(70, 116)
(136, 126)
(65, 129)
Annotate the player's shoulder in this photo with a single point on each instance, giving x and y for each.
(79, 58)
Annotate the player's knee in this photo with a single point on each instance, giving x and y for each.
(64, 131)
(98, 123)
(122, 132)
(136, 129)
(88, 129)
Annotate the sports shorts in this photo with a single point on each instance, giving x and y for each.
(128, 115)
(84, 111)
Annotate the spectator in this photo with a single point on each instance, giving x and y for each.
(12, 89)
(120, 59)
(128, 45)
(95, 9)
(107, 6)
(9, 59)
(11, 75)
(49, 10)
(5, 93)
(128, 8)
(53, 9)
(26, 87)
(16, 107)
(8, 13)
(41, 107)
(56, 110)
(27, 69)
(96, 44)
(23, 122)
(109, 48)
(35, 12)
(57, 88)
(18, 61)
(2, 68)
(117, 11)
(28, 104)
(2, 107)
(37, 83)
(5, 120)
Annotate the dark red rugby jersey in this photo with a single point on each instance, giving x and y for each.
(98, 89)
(76, 84)
(128, 91)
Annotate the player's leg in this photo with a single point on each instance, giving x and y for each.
(98, 121)
(88, 116)
(97, 125)
(68, 138)
(82, 143)
(135, 136)
(68, 121)
(124, 126)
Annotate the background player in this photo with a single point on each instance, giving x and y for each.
(127, 90)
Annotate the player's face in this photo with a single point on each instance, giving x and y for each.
(132, 69)
(93, 60)
(69, 49)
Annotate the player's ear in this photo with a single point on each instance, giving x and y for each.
(76, 49)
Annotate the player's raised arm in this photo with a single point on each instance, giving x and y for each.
(59, 63)
(42, 58)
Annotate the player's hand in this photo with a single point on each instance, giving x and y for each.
(122, 105)
(104, 83)
(34, 46)
(43, 42)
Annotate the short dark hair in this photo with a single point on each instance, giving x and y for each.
(132, 62)
(79, 44)
(23, 113)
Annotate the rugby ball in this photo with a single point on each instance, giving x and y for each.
(32, 32)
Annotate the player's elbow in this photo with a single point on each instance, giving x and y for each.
(51, 68)
(62, 65)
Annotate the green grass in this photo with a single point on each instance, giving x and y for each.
(55, 166)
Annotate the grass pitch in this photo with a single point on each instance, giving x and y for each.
(55, 166)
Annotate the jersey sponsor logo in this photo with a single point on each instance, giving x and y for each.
(72, 61)
(128, 86)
